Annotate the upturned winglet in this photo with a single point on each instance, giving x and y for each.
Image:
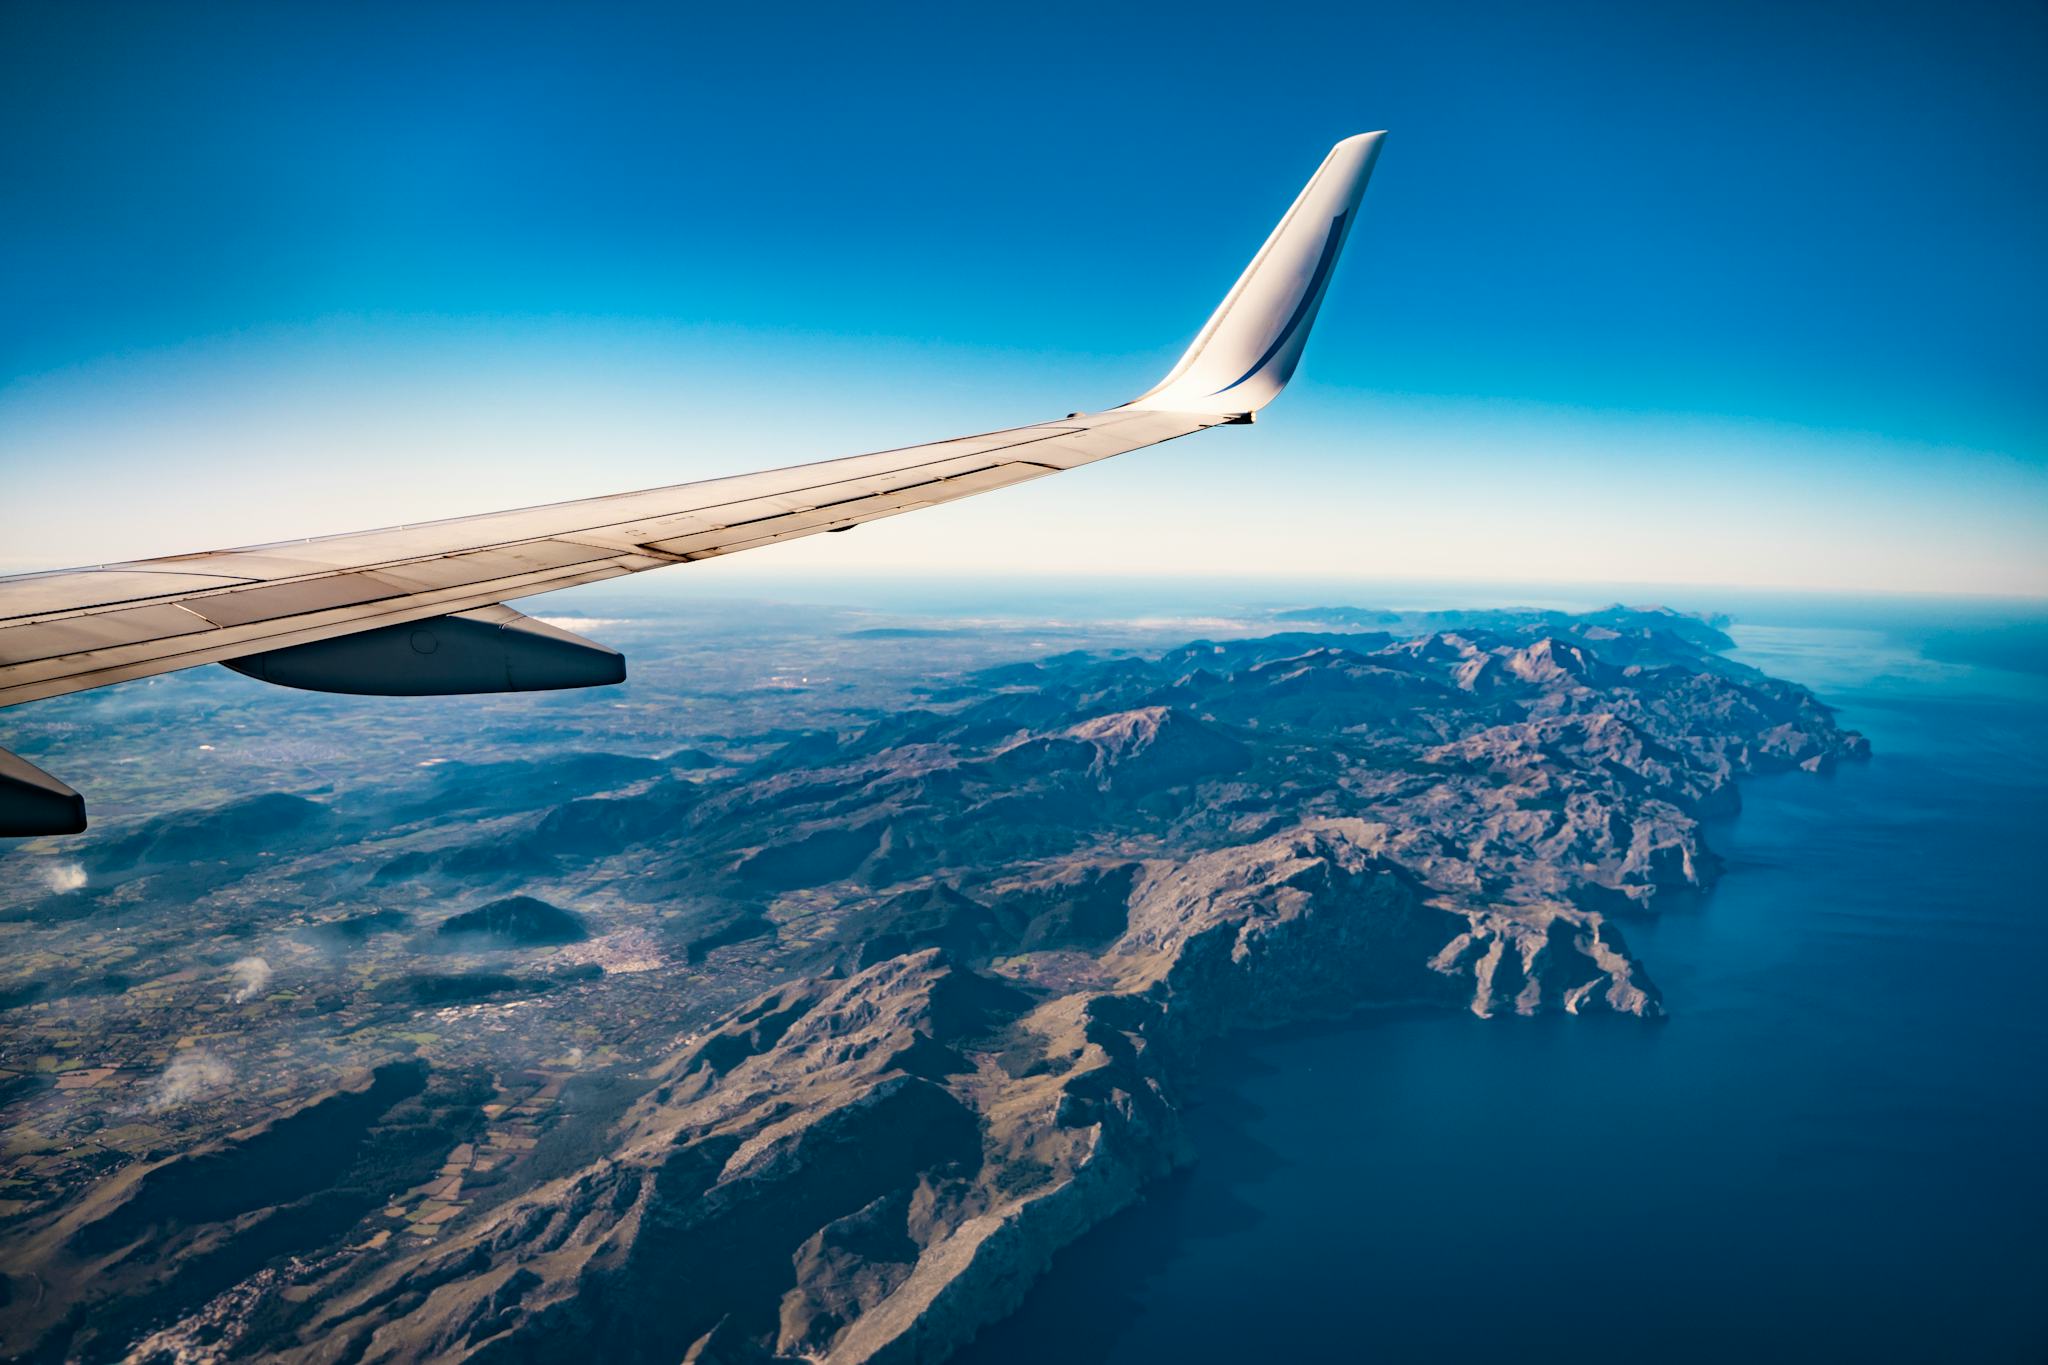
(1248, 350)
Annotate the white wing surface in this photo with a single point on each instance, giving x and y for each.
(417, 609)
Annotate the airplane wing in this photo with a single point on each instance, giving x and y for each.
(417, 610)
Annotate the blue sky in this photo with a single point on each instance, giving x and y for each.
(1728, 293)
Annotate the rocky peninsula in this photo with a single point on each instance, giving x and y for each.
(996, 931)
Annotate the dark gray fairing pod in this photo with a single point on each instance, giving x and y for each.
(33, 802)
(494, 649)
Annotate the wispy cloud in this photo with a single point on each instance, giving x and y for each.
(190, 1076)
(584, 622)
(64, 876)
(251, 976)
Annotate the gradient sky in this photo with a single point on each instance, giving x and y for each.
(1746, 294)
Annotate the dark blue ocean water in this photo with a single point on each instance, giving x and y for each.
(1836, 1149)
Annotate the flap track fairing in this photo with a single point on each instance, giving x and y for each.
(495, 649)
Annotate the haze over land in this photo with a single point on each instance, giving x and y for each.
(817, 985)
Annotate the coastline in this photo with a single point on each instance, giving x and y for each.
(1793, 1087)
(960, 1077)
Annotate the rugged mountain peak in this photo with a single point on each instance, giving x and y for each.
(1482, 674)
(513, 922)
(1436, 647)
(1171, 746)
(1145, 749)
(1551, 661)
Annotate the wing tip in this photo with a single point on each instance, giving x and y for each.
(1251, 344)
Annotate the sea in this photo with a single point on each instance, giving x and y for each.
(1835, 1148)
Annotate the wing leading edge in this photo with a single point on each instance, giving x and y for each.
(259, 607)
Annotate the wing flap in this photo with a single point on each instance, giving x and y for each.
(301, 597)
(82, 634)
(47, 594)
(849, 511)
